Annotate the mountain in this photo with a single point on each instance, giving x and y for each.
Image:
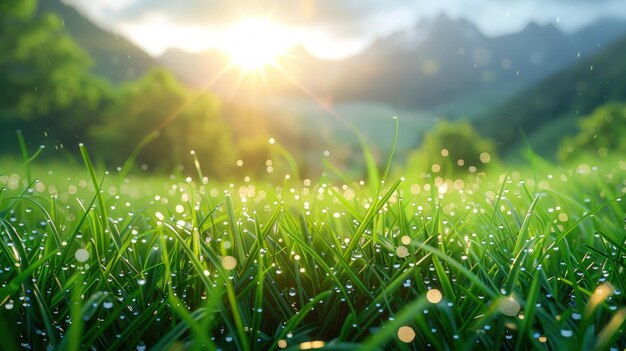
(195, 69)
(115, 57)
(550, 108)
(442, 59)
(599, 34)
(439, 64)
(424, 66)
(296, 71)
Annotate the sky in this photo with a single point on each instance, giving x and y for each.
(329, 29)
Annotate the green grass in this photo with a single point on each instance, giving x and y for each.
(314, 261)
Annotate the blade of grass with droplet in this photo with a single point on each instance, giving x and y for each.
(518, 251)
(191, 320)
(368, 315)
(73, 338)
(165, 342)
(234, 227)
(130, 160)
(25, 158)
(176, 304)
(370, 162)
(335, 170)
(296, 319)
(529, 315)
(460, 268)
(259, 280)
(14, 284)
(94, 179)
(136, 329)
(389, 330)
(253, 252)
(610, 333)
(372, 212)
(322, 263)
(230, 292)
(291, 161)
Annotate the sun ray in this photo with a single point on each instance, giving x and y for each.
(240, 78)
(264, 80)
(308, 92)
(191, 100)
(255, 42)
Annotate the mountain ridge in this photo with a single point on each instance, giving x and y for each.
(566, 95)
(435, 61)
(115, 57)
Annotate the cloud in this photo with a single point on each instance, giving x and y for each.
(219, 11)
(352, 16)
(347, 21)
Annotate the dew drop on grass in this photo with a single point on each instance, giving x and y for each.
(312, 345)
(141, 346)
(282, 343)
(406, 240)
(229, 262)
(9, 305)
(292, 292)
(567, 333)
(82, 255)
(434, 296)
(485, 157)
(402, 251)
(406, 334)
(141, 281)
(107, 304)
(509, 306)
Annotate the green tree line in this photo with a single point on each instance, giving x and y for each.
(48, 92)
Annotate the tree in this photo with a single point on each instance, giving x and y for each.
(451, 149)
(601, 134)
(184, 121)
(45, 85)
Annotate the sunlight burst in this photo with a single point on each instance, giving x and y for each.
(255, 43)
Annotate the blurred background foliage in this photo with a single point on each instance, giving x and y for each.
(601, 132)
(50, 92)
(452, 149)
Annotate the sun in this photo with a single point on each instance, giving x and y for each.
(255, 43)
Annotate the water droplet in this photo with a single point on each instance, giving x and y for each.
(434, 296)
(229, 262)
(508, 306)
(402, 251)
(406, 334)
(82, 255)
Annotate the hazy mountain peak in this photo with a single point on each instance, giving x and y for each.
(535, 28)
(115, 57)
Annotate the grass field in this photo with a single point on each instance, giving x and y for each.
(505, 260)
